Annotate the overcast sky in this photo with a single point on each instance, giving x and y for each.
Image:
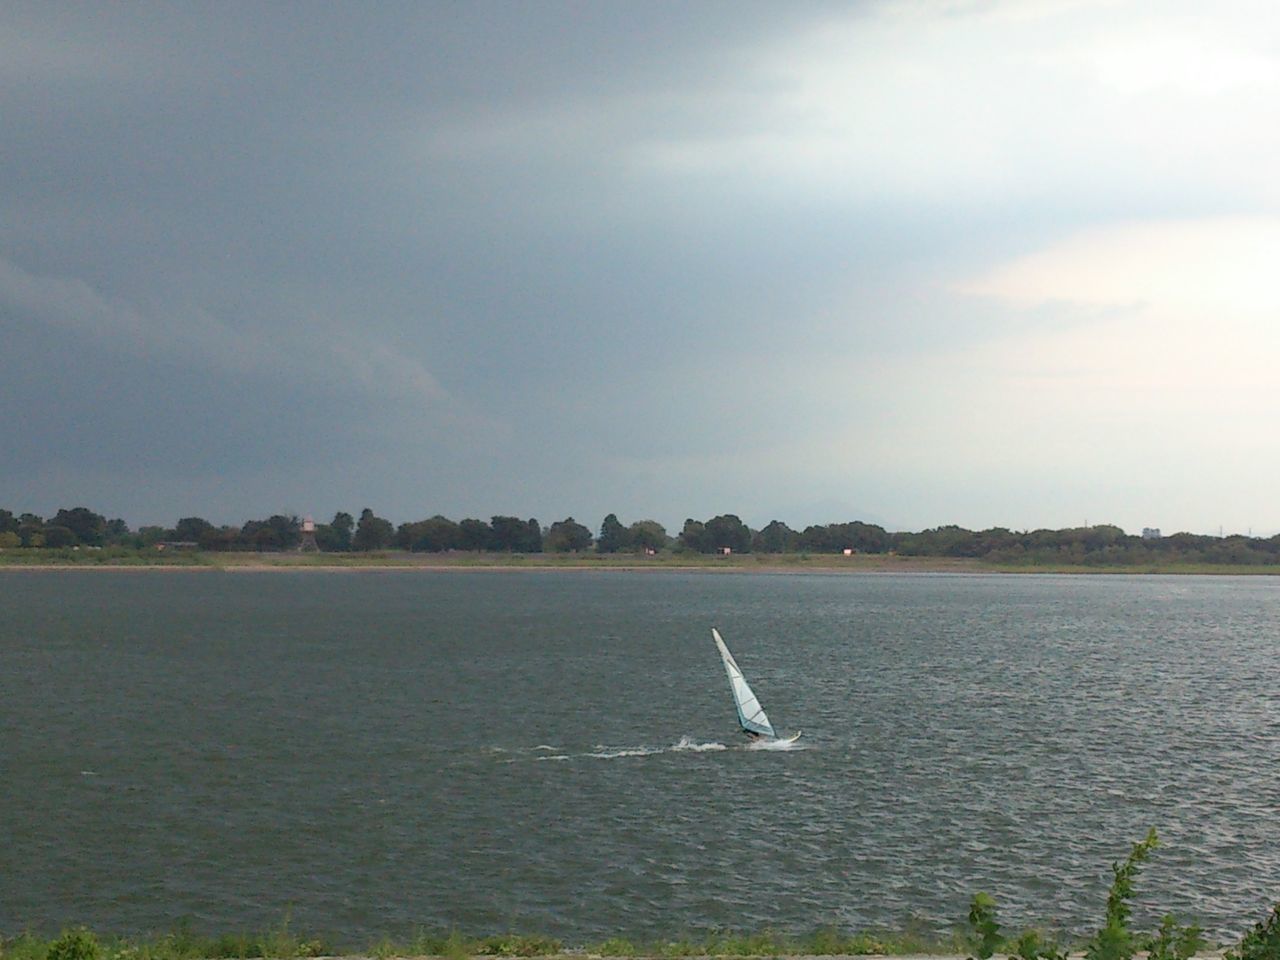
(987, 263)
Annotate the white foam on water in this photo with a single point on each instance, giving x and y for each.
(776, 745)
(605, 753)
(688, 744)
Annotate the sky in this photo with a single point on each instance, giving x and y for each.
(985, 262)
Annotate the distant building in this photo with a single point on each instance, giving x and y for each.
(1150, 533)
(308, 542)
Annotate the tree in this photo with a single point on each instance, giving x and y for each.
(777, 537)
(567, 536)
(56, 535)
(647, 535)
(613, 535)
(727, 530)
(221, 539)
(149, 536)
(8, 522)
(508, 533)
(434, 535)
(116, 531)
(340, 532)
(372, 532)
(277, 532)
(474, 534)
(863, 537)
(329, 540)
(515, 535)
(31, 530)
(192, 528)
(85, 525)
(693, 537)
(532, 536)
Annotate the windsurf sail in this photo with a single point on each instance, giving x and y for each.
(750, 714)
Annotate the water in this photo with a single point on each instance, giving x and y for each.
(556, 751)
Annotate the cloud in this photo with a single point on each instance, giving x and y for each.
(532, 258)
(1218, 270)
(1171, 334)
(304, 347)
(1002, 102)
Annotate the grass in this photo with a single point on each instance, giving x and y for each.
(668, 560)
(468, 559)
(283, 943)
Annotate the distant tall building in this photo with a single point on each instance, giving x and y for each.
(1150, 533)
(308, 542)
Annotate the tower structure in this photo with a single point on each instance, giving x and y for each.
(308, 542)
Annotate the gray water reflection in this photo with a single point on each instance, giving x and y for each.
(556, 751)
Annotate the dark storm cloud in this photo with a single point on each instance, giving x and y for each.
(190, 189)
(658, 258)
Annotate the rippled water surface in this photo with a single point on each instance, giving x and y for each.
(557, 752)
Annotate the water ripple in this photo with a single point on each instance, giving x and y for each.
(557, 753)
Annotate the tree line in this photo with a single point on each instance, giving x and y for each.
(1102, 544)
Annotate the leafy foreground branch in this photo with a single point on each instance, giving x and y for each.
(1114, 940)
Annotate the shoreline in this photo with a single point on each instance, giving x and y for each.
(831, 565)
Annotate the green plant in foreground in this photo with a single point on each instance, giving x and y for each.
(1174, 942)
(985, 926)
(1030, 945)
(616, 947)
(23, 947)
(1114, 941)
(78, 944)
(1262, 942)
(518, 945)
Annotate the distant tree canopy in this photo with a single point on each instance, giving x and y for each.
(1102, 544)
(725, 532)
(433, 535)
(776, 537)
(567, 536)
(613, 535)
(84, 525)
(336, 535)
(194, 529)
(647, 535)
(277, 532)
(513, 535)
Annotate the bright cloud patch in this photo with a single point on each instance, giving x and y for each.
(1224, 267)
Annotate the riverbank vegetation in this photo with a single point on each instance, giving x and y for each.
(983, 939)
(79, 535)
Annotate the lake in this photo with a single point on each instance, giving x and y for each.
(557, 752)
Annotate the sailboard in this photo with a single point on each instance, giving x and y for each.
(750, 714)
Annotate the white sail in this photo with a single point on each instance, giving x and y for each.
(750, 714)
